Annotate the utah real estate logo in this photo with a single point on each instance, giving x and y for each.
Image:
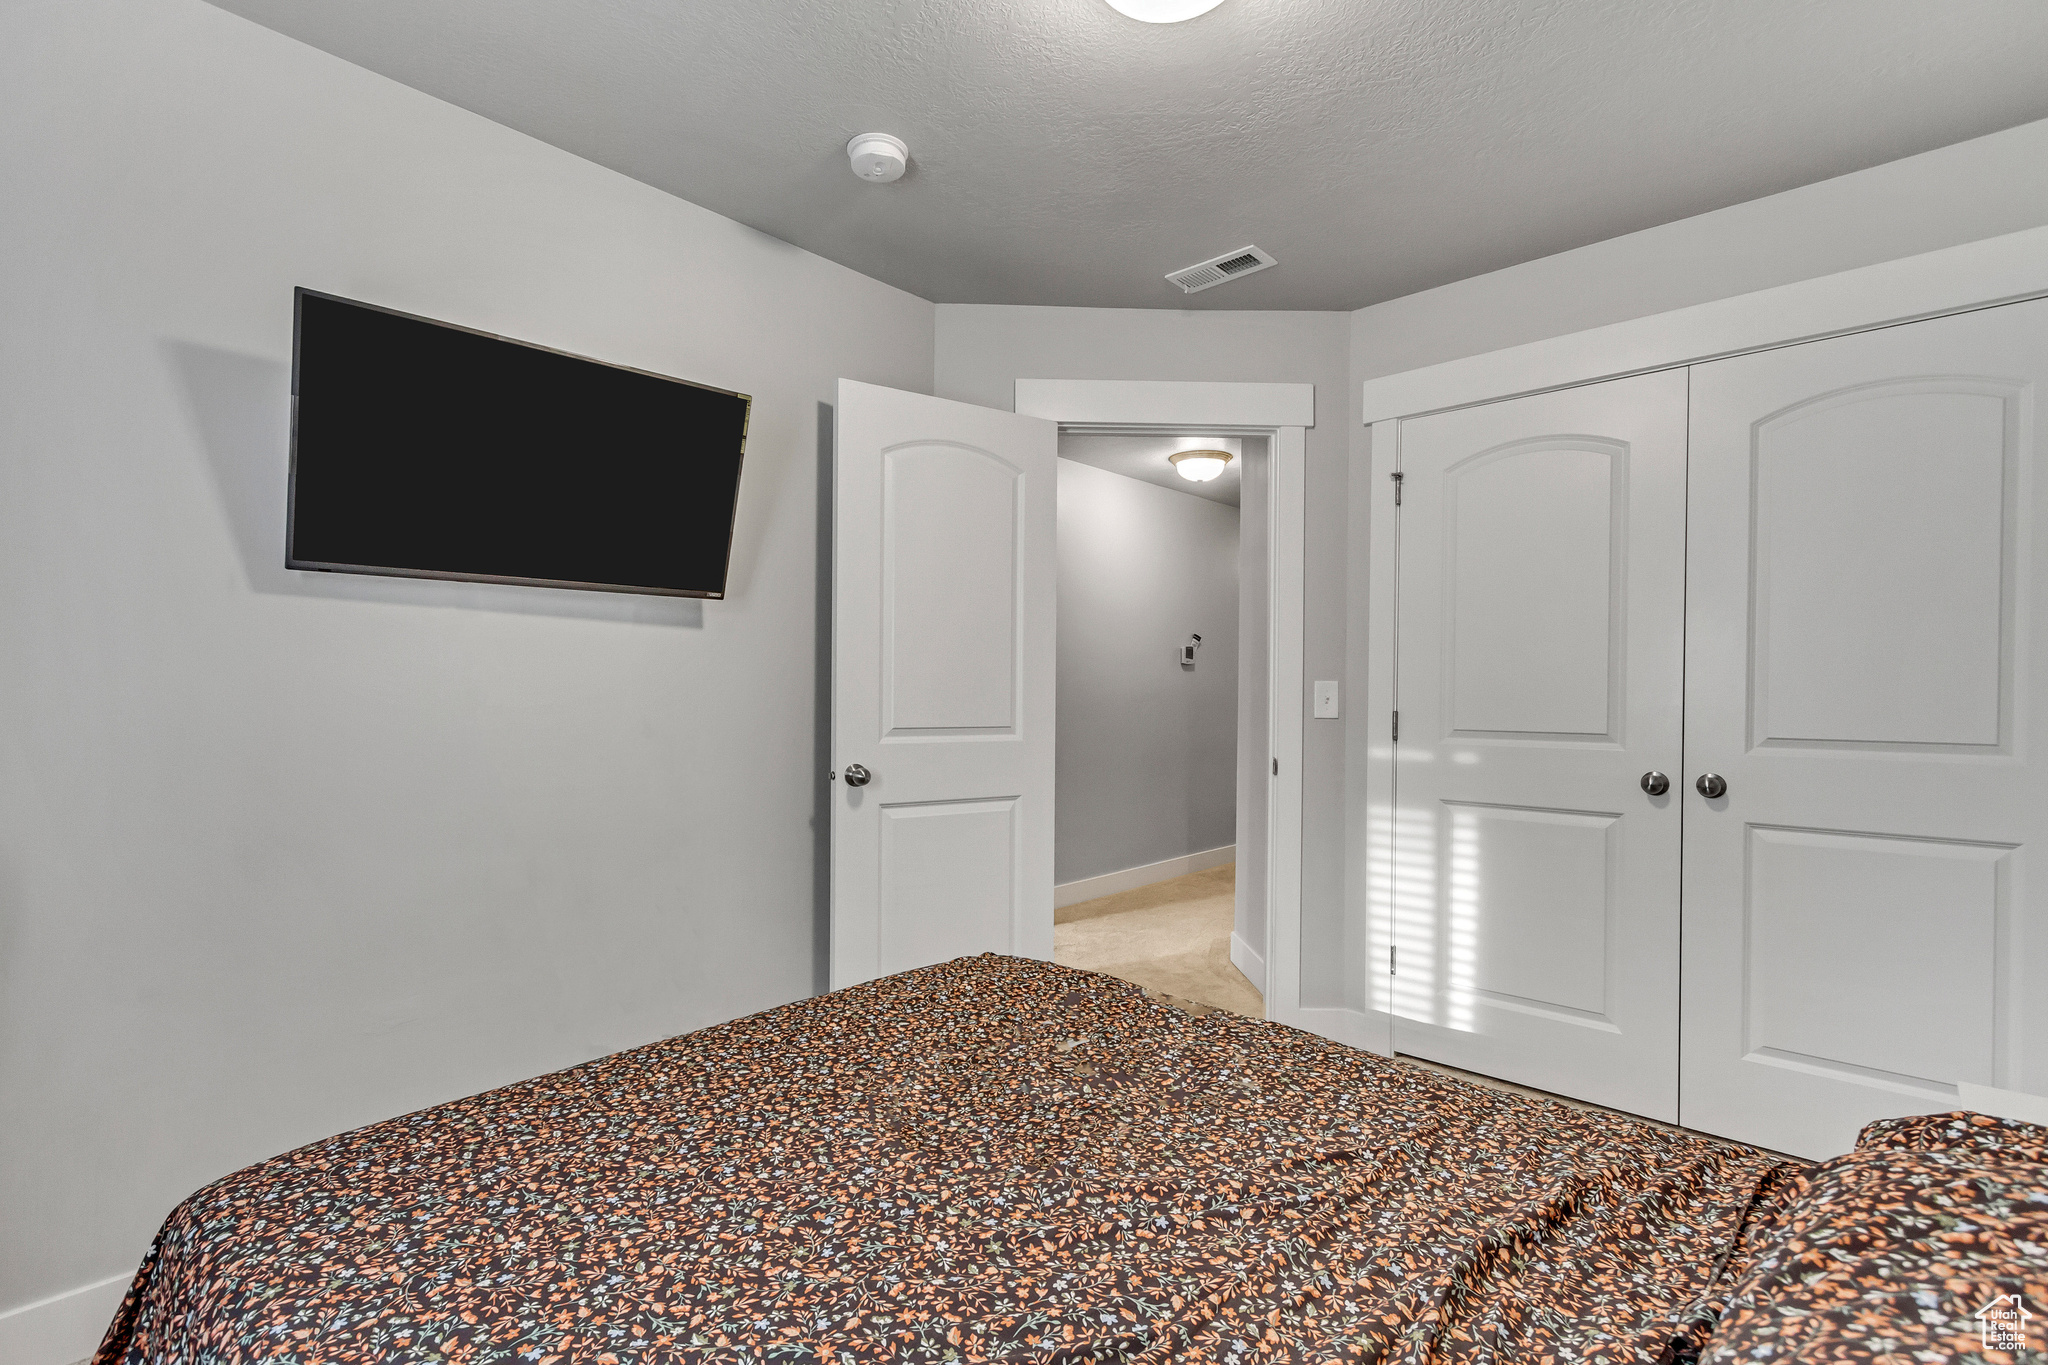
(2003, 1322)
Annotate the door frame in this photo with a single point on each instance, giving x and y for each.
(1985, 274)
(1282, 413)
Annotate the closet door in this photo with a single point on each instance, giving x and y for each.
(1540, 652)
(1864, 923)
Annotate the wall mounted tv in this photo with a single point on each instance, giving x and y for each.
(426, 450)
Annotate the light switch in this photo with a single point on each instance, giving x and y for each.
(1326, 701)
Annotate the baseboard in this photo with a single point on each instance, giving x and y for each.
(62, 1328)
(1248, 960)
(2005, 1104)
(1369, 1031)
(1131, 878)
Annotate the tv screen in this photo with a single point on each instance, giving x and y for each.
(427, 450)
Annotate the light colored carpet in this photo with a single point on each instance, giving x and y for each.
(1171, 937)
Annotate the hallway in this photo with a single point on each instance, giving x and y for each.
(1172, 936)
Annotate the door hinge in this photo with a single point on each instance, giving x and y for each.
(1276, 767)
(1397, 727)
(1396, 476)
(1392, 954)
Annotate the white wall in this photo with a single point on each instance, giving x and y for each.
(982, 350)
(281, 854)
(1147, 748)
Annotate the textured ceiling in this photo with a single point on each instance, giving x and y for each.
(1063, 154)
(1146, 458)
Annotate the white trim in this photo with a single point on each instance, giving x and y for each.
(1376, 776)
(1287, 501)
(63, 1328)
(1166, 403)
(2004, 1104)
(1131, 878)
(1353, 1028)
(1283, 412)
(1248, 960)
(1974, 275)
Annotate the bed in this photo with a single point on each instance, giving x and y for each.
(998, 1159)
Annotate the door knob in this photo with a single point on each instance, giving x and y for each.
(1712, 785)
(857, 776)
(1655, 783)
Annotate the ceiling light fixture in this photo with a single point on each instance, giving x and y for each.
(1163, 11)
(1199, 465)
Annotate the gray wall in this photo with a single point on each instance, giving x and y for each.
(1962, 193)
(1147, 748)
(983, 350)
(280, 853)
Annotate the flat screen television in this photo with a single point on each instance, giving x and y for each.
(426, 450)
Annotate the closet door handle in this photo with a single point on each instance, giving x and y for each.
(1712, 785)
(1655, 783)
(857, 775)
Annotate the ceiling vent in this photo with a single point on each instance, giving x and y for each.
(1231, 264)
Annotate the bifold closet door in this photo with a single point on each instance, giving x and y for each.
(1864, 924)
(1540, 653)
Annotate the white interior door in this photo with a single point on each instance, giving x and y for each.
(942, 682)
(1861, 927)
(1540, 651)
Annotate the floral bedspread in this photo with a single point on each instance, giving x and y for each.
(990, 1159)
(1929, 1242)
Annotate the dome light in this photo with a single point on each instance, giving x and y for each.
(1163, 11)
(1200, 465)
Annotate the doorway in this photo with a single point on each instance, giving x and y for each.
(943, 663)
(1160, 787)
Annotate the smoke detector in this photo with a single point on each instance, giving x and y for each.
(1214, 271)
(877, 157)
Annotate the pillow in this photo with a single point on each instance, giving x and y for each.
(1929, 1241)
